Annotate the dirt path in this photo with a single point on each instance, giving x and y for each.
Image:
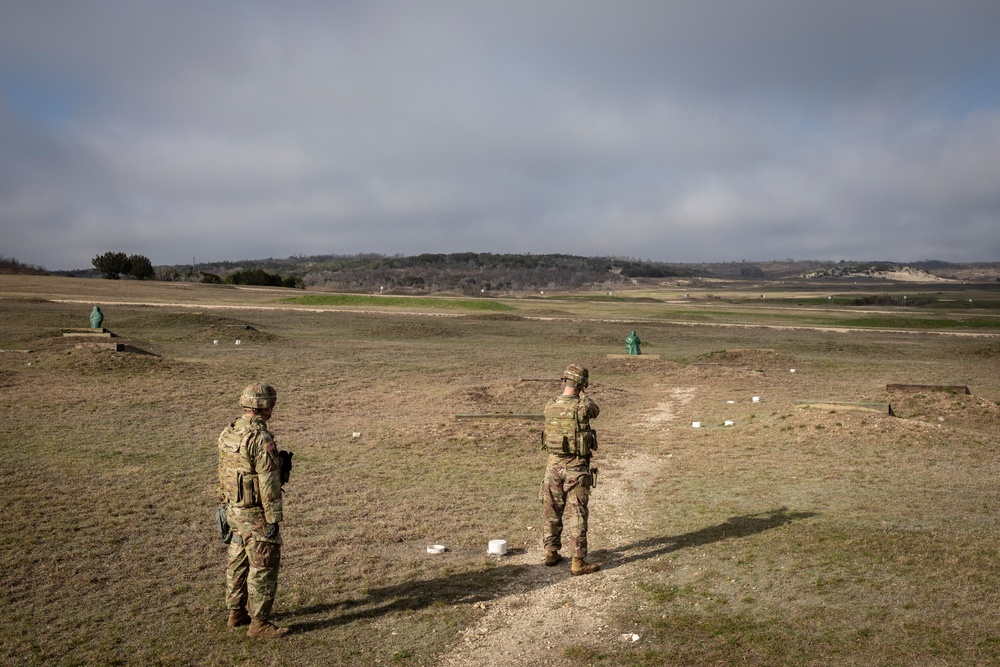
(547, 610)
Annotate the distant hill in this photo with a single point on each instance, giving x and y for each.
(467, 272)
(489, 273)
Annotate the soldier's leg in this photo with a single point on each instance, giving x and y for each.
(553, 503)
(236, 575)
(577, 496)
(262, 578)
(237, 570)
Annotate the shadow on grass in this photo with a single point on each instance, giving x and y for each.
(137, 350)
(471, 587)
(733, 527)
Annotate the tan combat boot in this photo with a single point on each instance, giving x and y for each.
(580, 566)
(552, 557)
(238, 617)
(265, 630)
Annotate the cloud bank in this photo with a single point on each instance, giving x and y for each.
(676, 131)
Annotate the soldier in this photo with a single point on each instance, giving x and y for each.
(570, 442)
(250, 480)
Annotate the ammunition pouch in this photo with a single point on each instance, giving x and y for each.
(222, 523)
(586, 442)
(247, 490)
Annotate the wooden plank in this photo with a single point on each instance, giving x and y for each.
(95, 334)
(847, 405)
(502, 415)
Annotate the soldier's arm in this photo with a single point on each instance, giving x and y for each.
(268, 467)
(590, 408)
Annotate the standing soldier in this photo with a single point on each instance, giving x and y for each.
(570, 442)
(250, 478)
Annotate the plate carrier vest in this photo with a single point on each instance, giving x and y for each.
(563, 434)
(238, 483)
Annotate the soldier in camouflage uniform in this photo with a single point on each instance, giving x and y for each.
(570, 442)
(250, 486)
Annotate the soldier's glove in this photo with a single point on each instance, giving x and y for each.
(286, 465)
(272, 531)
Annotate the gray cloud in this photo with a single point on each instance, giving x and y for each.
(680, 131)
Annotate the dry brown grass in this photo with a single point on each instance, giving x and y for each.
(798, 536)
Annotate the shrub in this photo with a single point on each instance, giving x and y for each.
(112, 264)
(140, 267)
(254, 277)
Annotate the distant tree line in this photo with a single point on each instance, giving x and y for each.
(254, 276)
(11, 265)
(259, 277)
(480, 273)
(467, 272)
(114, 265)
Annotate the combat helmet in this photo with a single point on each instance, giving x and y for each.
(577, 374)
(258, 396)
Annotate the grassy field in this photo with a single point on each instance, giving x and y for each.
(817, 530)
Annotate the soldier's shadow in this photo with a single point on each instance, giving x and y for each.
(471, 587)
(733, 527)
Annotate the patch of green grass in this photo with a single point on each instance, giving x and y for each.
(582, 655)
(599, 298)
(400, 301)
(889, 322)
(659, 592)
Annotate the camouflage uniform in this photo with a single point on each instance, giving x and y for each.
(567, 476)
(250, 484)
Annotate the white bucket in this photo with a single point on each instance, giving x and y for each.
(436, 549)
(728, 422)
(695, 424)
(497, 547)
(756, 399)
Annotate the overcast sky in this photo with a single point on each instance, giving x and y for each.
(704, 130)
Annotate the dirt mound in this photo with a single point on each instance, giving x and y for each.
(937, 407)
(753, 358)
(519, 396)
(88, 359)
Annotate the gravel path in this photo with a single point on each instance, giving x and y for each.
(547, 610)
